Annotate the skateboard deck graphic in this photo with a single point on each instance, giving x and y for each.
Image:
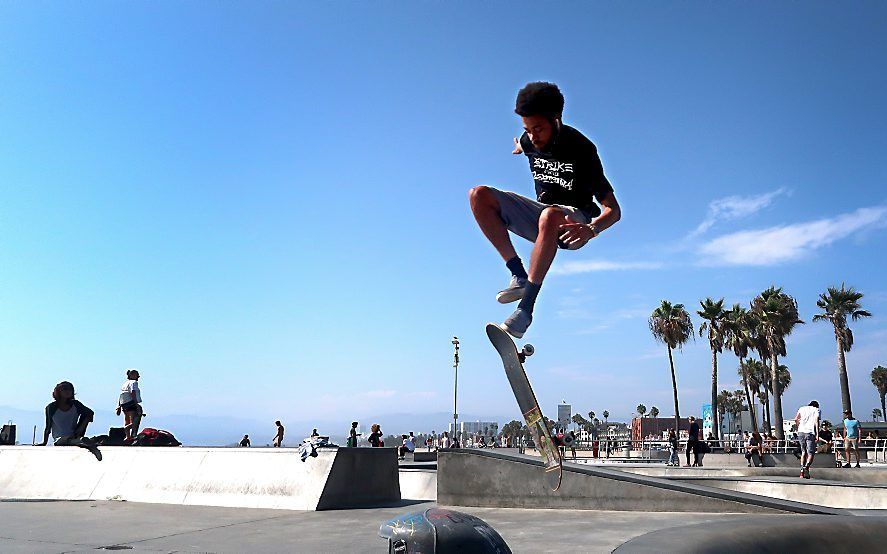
(529, 406)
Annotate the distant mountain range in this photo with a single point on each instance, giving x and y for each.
(209, 430)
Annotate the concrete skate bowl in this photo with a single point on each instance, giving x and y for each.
(862, 489)
(492, 479)
(229, 477)
(767, 534)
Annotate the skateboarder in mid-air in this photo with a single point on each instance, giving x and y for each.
(569, 178)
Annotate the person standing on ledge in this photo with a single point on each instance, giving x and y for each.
(278, 438)
(569, 178)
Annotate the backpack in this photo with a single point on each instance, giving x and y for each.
(156, 437)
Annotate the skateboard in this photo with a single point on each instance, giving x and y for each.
(526, 400)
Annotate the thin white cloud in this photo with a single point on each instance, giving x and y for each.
(734, 207)
(786, 243)
(385, 393)
(590, 266)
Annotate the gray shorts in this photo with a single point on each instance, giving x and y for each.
(808, 443)
(521, 215)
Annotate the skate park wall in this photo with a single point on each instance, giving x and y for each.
(228, 477)
(493, 479)
(774, 533)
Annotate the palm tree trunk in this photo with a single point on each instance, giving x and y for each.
(674, 386)
(883, 408)
(767, 418)
(751, 405)
(842, 373)
(715, 414)
(777, 398)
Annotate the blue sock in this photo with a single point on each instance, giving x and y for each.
(516, 267)
(529, 300)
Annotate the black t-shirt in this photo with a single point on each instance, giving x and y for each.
(568, 171)
(826, 435)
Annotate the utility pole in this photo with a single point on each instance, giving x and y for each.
(455, 342)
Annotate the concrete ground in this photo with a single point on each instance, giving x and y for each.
(57, 526)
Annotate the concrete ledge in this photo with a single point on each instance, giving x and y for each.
(872, 475)
(766, 534)
(736, 459)
(424, 456)
(483, 478)
(249, 478)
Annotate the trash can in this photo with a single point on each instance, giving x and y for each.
(441, 531)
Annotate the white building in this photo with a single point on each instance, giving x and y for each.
(468, 429)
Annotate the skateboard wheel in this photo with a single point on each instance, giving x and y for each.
(528, 350)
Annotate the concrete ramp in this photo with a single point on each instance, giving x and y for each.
(781, 533)
(493, 479)
(229, 477)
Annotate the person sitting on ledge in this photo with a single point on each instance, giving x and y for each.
(753, 448)
(67, 419)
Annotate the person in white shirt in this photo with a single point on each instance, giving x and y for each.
(807, 420)
(409, 445)
(130, 403)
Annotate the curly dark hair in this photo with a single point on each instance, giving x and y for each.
(59, 387)
(539, 98)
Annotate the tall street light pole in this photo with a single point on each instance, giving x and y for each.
(455, 342)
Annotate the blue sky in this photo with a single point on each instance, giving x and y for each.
(263, 206)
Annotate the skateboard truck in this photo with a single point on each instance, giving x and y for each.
(525, 352)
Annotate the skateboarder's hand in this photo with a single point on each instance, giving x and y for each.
(575, 234)
(517, 148)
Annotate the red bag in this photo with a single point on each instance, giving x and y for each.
(156, 437)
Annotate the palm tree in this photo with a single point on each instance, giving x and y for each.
(738, 338)
(879, 379)
(591, 416)
(748, 378)
(836, 305)
(606, 415)
(876, 413)
(579, 420)
(714, 315)
(724, 399)
(671, 325)
(654, 413)
(760, 377)
(783, 378)
(777, 315)
(641, 409)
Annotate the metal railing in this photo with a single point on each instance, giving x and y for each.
(658, 450)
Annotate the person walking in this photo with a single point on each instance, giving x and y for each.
(574, 200)
(244, 442)
(445, 441)
(278, 438)
(807, 420)
(852, 433)
(693, 442)
(130, 403)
